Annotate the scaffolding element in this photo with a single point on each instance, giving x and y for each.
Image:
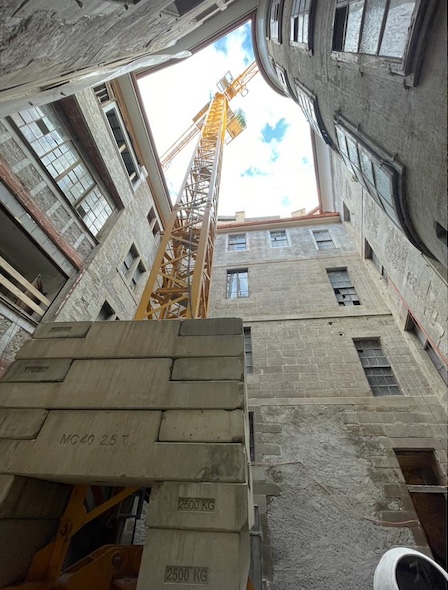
(179, 283)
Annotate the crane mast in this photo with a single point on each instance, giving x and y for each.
(179, 283)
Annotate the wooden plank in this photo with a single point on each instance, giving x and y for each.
(22, 280)
(21, 295)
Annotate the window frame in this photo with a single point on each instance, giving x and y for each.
(409, 65)
(388, 165)
(248, 350)
(154, 224)
(59, 121)
(316, 242)
(282, 76)
(308, 46)
(276, 37)
(282, 245)
(238, 295)
(312, 113)
(136, 266)
(413, 326)
(369, 369)
(235, 235)
(127, 146)
(336, 289)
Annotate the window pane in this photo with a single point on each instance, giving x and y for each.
(353, 26)
(366, 166)
(237, 242)
(341, 141)
(278, 239)
(383, 182)
(305, 28)
(397, 27)
(373, 19)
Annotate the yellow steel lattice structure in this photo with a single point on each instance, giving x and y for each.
(228, 86)
(179, 283)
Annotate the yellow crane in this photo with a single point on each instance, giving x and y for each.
(178, 287)
(179, 283)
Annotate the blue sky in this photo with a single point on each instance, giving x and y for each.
(267, 169)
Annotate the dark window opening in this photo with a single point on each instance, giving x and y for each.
(106, 313)
(339, 28)
(248, 354)
(154, 225)
(251, 437)
(423, 476)
(441, 232)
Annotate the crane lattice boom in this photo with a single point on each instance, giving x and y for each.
(227, 86)
(179, 283)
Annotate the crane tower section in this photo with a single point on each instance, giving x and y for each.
(179, 284)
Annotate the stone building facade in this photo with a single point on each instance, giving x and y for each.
(369, 83)
(80, 225)
(338, 446)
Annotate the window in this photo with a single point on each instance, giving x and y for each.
(153, 223)
(237, 283)
(103, 93)
(308, 103)
(123, 142)
(283, 78)
(132, 267)
(106, 313)
(441, 232)
(374, 27)
(275, 21)
(376, 367)
(323, 239)
(413, 326)
(380, 178)
(49, 139)
(370, 253)
(279, 239)
(346, 214)
(300, 22)
(342, 287)
(237, 242)
(251, 437)
(248, 355)
(424, 480)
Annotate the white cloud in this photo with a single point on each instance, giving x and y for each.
(175, 94)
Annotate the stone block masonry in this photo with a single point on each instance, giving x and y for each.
(142, 404)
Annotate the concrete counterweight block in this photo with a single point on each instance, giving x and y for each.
(145, 404)
(194, 560)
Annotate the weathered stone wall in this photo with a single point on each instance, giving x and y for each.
(101, 278)
(408, 122)
(414, 283)
(329, 489)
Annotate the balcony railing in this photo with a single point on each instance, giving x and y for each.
(22, 294)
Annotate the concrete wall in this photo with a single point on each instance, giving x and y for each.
(329, 489)
(408, 122)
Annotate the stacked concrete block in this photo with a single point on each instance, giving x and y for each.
(159, 404)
